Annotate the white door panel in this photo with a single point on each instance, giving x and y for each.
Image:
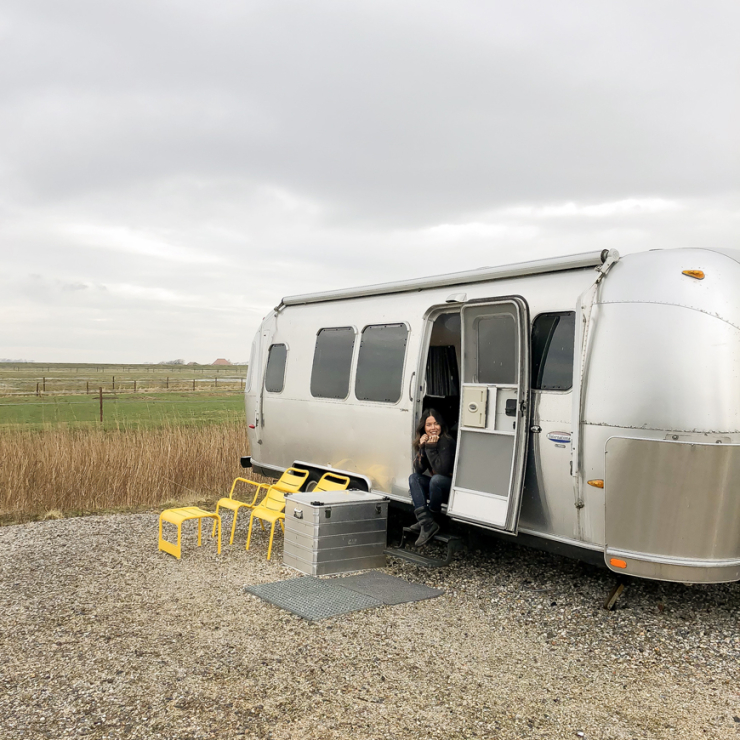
(489, 469)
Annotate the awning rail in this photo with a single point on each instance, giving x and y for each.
(483, 274)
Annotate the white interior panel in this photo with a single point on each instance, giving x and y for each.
(481, 507)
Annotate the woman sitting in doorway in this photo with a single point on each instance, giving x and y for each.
(434, 450)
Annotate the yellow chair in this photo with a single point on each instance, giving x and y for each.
(331, 482)
(234, 505)
(177, 517)
(272, 507)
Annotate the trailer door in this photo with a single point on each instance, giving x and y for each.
(494, 414)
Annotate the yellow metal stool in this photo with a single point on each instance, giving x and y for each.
(177, 517)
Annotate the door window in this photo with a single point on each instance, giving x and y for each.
(275, 372)
(332, 362)
(380, 363)
(491, 346)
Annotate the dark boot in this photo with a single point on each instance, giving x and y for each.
(428, 526)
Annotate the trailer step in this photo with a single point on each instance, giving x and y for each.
(453, 542)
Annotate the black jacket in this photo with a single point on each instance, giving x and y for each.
(439, 458)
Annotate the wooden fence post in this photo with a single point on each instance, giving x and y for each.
(100, 396)
(37, 389)
(168, 383)
(193, 383)
(114, 382)
(87, 387)
(44, 388)
(134, 386)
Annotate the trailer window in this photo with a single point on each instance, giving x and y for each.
(553, 338)
(380, 364)
(275, 372)
(332, 362)
(497, 348)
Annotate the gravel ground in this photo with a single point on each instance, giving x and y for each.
(105, 637)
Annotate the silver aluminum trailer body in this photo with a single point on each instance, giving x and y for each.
(653, 409)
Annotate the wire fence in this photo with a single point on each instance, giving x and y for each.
(89, 384)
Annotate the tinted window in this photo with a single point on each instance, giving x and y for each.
(275, 372)
(497, 349)
(553, 336)
(380, 364)
(332, 361)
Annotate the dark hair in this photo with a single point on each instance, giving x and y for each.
(422, 423)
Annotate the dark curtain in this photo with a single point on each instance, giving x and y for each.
(442, 376)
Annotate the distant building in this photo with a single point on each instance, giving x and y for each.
(193, 363)
(221, 361)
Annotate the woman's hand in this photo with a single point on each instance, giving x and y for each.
(431, 439)
(424, 439)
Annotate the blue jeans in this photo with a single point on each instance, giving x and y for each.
(436, 489)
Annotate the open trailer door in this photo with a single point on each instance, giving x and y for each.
(494, 414)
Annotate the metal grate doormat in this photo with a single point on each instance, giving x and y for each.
(313, 598)
(389, 589)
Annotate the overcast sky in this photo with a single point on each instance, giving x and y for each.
(170, 170)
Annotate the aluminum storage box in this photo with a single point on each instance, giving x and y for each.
(335, 532)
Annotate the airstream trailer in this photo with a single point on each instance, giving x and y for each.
(595, 399)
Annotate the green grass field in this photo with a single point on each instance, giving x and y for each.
(143, 410)
(35, 395)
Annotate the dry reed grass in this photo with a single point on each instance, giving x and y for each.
(74, 471)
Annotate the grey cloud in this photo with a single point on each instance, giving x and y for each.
(391, 112)
(202, 160)
(73, 287)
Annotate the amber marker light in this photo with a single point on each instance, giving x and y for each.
(617, 563)
(698, 274)
(596, 483)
